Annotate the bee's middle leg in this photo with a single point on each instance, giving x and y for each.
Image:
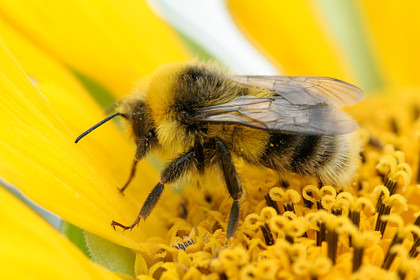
(171, 173)
(232, 183)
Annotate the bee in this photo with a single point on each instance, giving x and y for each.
(204, 117)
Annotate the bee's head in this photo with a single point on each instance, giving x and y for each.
(135, 112)
(142, 126)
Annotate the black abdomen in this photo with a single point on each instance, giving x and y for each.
(302, 154)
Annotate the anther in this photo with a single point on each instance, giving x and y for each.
(418, 172)
(415, 249)
(320, 237)
(357, 257)
(390, 184)
(292, 197)
(268, 235)
(289, 239)
(271, 203)
(390, 255)
(334, 226)
(332, 240)
(354, 216)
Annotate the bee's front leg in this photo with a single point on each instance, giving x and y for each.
(131, 177)
(171, 173)
(142, 148)
(232, 183)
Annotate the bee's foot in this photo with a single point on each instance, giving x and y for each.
(114, 224)
(121, 190)
(130, 227)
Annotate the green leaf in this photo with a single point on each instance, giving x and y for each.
(110, 255)
(75, 235)
(101, 95)
(345, 22)
(195, 48)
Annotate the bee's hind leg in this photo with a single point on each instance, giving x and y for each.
(232, 183)
(171, 173)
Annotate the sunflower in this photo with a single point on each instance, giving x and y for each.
(58, 60)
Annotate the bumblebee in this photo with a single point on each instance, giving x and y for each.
(203, 117)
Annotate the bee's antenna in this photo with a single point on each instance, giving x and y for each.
(98, 124)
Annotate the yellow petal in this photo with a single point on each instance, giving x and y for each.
(291, 33)
(114, 42)
(31, 249)
(74, 181)
(65, 94)
(394, 27)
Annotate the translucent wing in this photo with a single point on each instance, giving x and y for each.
(301, 105)
(307, 90)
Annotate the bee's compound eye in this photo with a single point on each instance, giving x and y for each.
(150, 134)
(185, 115)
